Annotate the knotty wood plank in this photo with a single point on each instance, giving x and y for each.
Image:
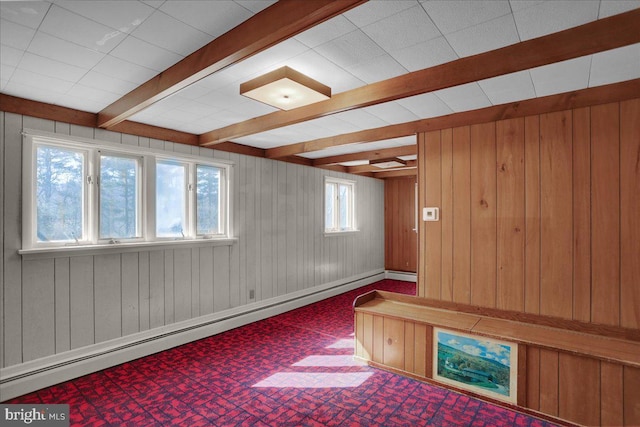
(549, 382)
(510, 212)
(532, 214)
(410, 348)
(461, 213)
(446, 215)
(424, 351)
(603, 34)
(433, 229)
(629, 217)
(579, 389)
(394, 343)
(483, 215)
(605, 205)
(533, 378)
(611, 394)
(631, 395)
(582, 214)
(556, 281)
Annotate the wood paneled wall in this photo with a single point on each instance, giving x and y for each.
(400, 239)
(52, 305)
(539, 214)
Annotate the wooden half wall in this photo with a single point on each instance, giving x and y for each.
(538, 214)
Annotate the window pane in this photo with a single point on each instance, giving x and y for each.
(118, 197)
(59, 194)
(329, 203)
(343, 201)
(170, 199)
(207, 200)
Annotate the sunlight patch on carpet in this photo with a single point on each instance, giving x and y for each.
(339, 360)
(314, 380)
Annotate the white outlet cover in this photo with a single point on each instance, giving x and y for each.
(430, 214)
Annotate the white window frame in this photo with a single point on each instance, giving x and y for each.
(92, 149)
(352, 205)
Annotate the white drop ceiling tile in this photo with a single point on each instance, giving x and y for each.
(221, 100)
(197, 109)
(611, 7)
(61, 50)
(255, 6)
(403, 141)
(110, 84)
(194, 91)
(82, 103)
(94, 94)
(391, 112)
(553, 16)
(6, 71)
(424, 55)
(326, 31)
(484, 37)
(27, 13)
(39, 81)
(452, 16)
(36, 93)
(373, 11)
(561, 77)
(311, 130)
(361, 119)
(154, 3)
(123, 16)
(212, 17)
(326, 72)
(10, 55)
(509, 88)
(517, 5)
(124, 70)
(407, 28)
(351, 49)
(408, 158)
(252, 108)
(615, 65)
(334, 151)
(464, 97)
(335, 125)
(376, 69)
(49, 67)
(168, 33)
(15, 35)
(425, 105)
(77, 29)
(145, 54)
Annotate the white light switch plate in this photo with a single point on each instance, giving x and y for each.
(430, 214)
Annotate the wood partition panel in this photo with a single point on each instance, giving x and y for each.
(401, 239)
(538, 214)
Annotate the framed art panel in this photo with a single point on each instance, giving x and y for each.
(481, 365)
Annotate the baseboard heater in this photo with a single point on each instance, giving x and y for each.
(30, 376)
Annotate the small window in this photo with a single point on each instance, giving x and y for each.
(119, 197)
(171, 199)
(339, 205)
(208, 200)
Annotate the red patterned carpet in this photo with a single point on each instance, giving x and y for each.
(294, 369)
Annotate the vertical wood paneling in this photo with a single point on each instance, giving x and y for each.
(446, 206)
(234, 251)
(108, 297)
(461, 212)
(423, 358)
(483, 215)
(533, 378)
(251, 235)
(510, 214)
(143, 290)
(582, 214)
(156, 289)
(12, 262)
(410, 349)
(81, 301)
(433, 229)
(579, 401)
(130, 294)
(38, 291)
(556, 281)
(195, 282)
(221, 291)
(394, 343)
(532, 214)
(182, 283)
(266, 229)
(206, 280)
(367, 336)
(422, 172)
(378, 339)
(631, 396)
(549, 382)
(611, 397)
(401, 246)
(629, 213)
(169, 291)
(605, 205)
(62, 313)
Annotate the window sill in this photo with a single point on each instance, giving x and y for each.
(340, 233)
(100, 249)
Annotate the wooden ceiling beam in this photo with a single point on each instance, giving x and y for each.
(370, 168)
(396, 173)
(563, 101)
(278, 22)
(405, 150)
(597, 36)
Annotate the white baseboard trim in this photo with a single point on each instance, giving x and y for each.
(30, 376)
(400, 275)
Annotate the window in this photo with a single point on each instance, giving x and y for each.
(88, 193)
(339, 215)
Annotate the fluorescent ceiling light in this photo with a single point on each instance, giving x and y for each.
(285, 88)
(388, 163)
